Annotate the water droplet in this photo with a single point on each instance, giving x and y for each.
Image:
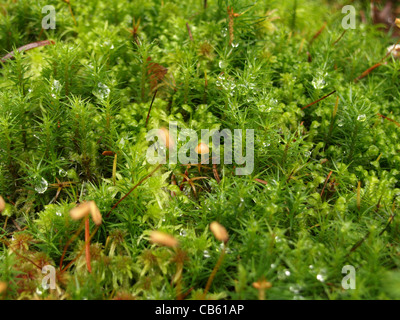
(103, 91)
(295, 289)
(39, 292)
(58, 213)
(56, 87)
(41, 185)
(224, 32)
(307, 154)
(222, 64)
(206, 254)
(183, 233)
(62, 172)
(320, 277)
(273, 101)
(362, 117)
(283, 274)
(311, 266)
(222, 246)
(273, 266)
(235, 45)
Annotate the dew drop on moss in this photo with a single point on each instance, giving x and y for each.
(41, 185)
(62, 172)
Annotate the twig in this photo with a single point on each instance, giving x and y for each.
(369, 70)
(261, 181)
(138, 184)
(384, 117)
(326, 181)
(215, 171)
(81, 252)
(70, 10)
(318, 33)
(312, 103)
(27, 47)
(338, 39)
(213, 273)
(19, 255)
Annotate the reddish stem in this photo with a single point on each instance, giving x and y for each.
(138, 184)
(309, 105)
(326, 181)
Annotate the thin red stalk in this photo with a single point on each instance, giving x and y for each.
(388, 54)
(27, 47)
(87, 244)
(312, 103)
(173, 182)
(87, 240)
(189, 31)
(81, 252)
(20, 255)
(384, 117)
(261, 181)
(151, 104)
(367, 72)
(326, 181)
(318, 33)
(341, 36)
(214, 272)
(215, 171)
(138, 184)
(187, 293)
